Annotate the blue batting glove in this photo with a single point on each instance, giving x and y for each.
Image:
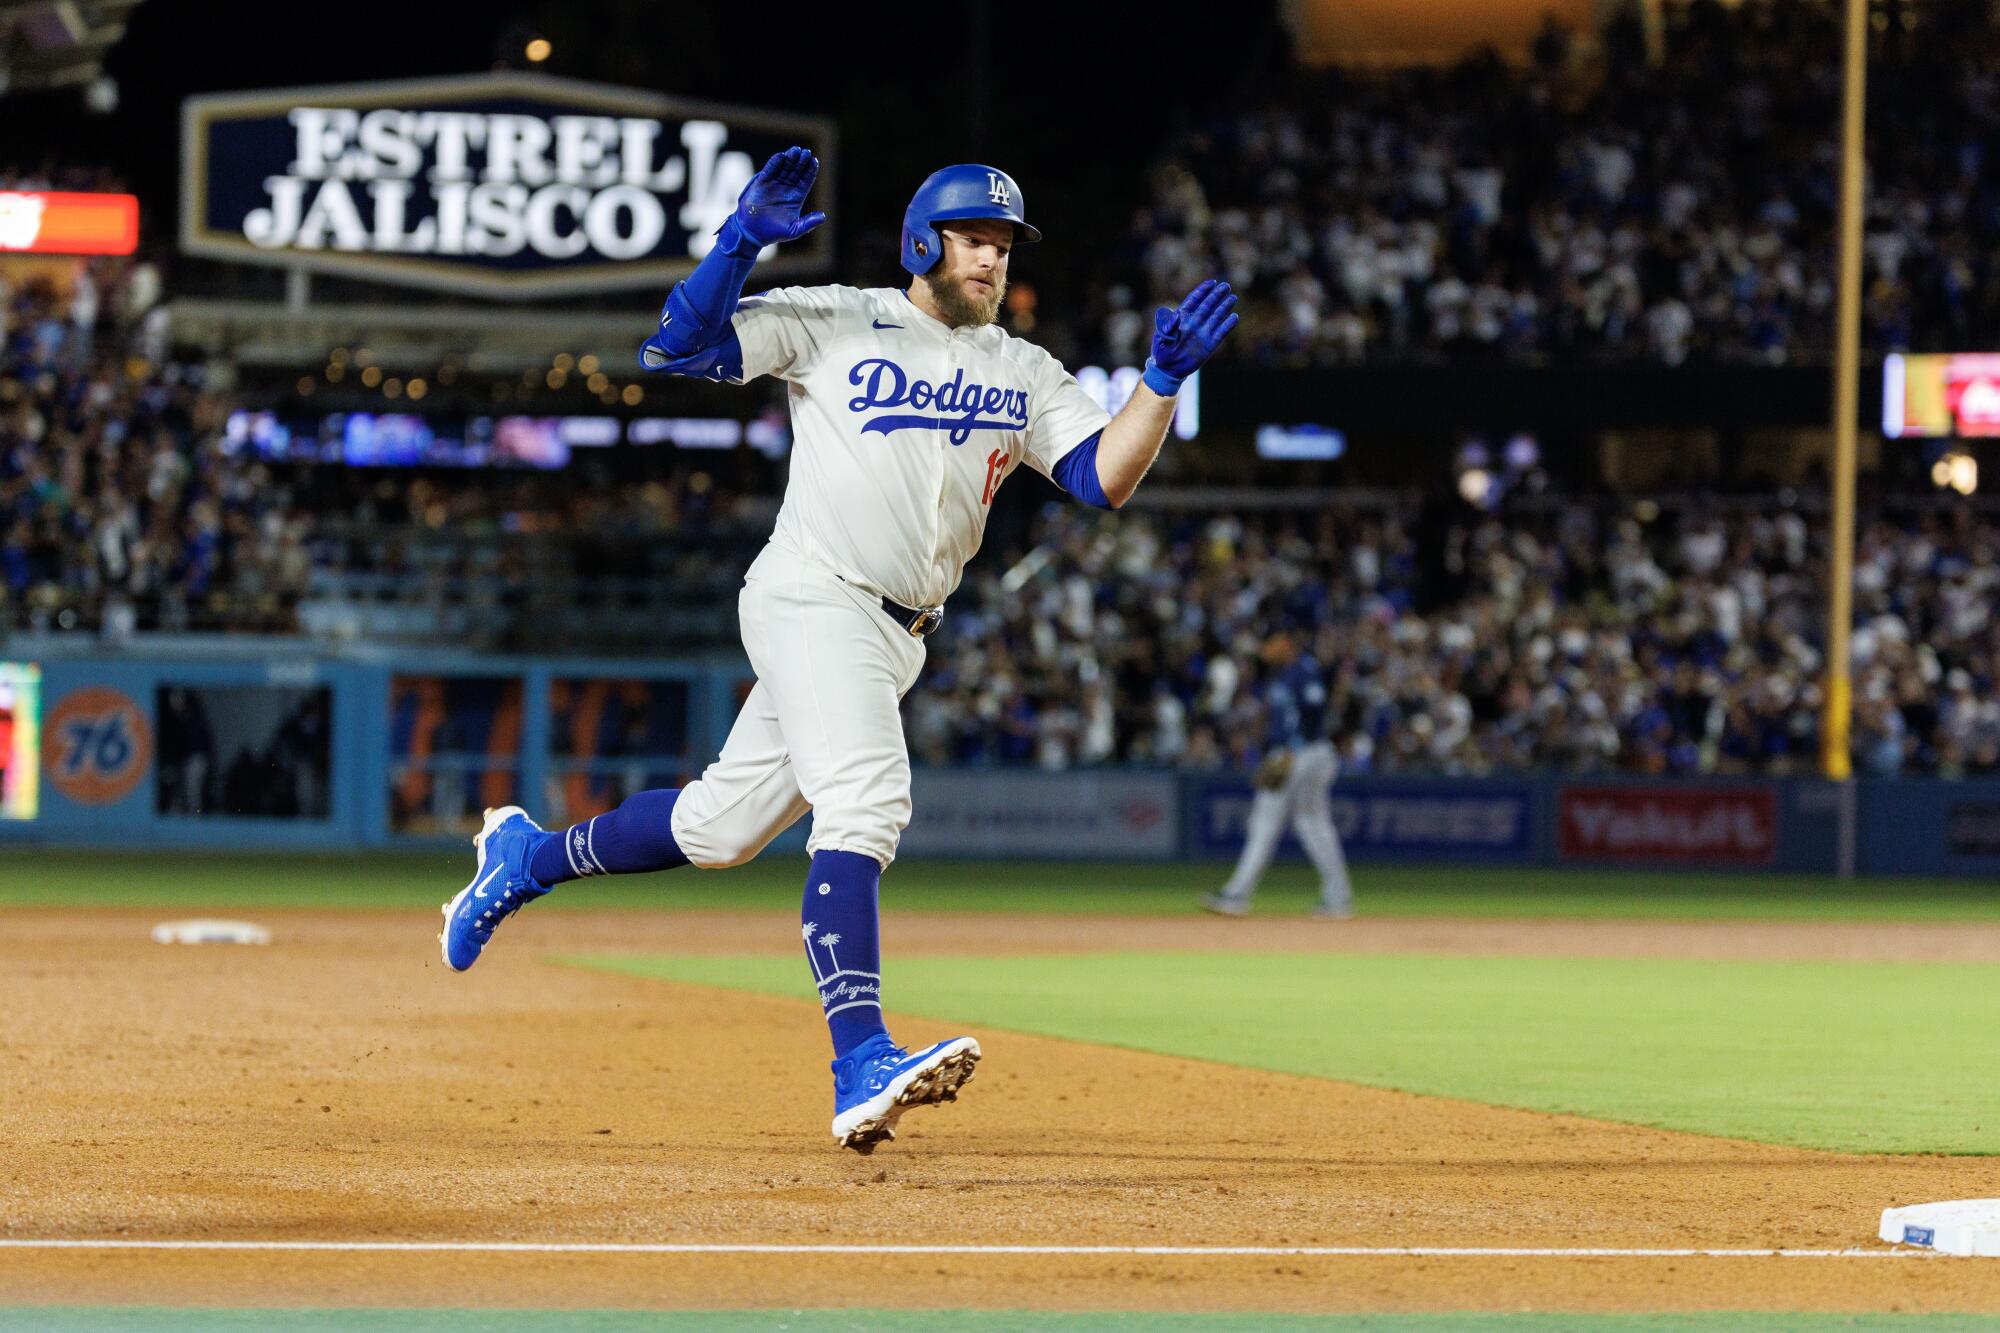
(1184, 338)
(767, 211)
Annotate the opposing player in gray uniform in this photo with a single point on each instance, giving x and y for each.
(910, 406)
(1293, 782)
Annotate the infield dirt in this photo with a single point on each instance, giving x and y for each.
(339, 1084)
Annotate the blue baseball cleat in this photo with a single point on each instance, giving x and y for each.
(878, 1080)
(500, 887)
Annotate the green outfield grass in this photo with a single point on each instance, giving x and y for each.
(1855, 1057)
(165, 1320)
(422, 880)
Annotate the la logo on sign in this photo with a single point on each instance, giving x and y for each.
(495, 185)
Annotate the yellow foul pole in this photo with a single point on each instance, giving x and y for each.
(1838, 707)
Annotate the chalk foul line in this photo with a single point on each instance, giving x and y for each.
(1057, 1251)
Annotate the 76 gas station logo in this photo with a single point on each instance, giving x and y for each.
(96, 746)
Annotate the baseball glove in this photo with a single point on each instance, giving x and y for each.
(1272, 772)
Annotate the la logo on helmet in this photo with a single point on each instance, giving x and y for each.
(996, 189)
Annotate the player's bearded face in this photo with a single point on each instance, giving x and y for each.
(969, 285)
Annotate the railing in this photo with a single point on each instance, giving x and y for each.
(539, 612)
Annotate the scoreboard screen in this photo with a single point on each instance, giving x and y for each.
(43, 222)
(1942, 395)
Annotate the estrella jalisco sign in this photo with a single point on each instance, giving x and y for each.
(495, 184)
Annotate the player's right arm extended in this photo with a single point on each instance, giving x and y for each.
(695, 336)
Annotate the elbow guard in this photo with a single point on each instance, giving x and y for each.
(697, 312)
(722, 362)
(683, 331)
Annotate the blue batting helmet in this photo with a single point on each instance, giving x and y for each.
(956, 193)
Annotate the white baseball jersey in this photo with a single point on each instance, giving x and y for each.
(903, 428)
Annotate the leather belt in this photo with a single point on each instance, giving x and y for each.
(920, 622)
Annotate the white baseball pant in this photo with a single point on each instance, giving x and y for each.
(820, 729)
(1307, 800)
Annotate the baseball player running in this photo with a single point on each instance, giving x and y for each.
(909, 407)
(1293, 779)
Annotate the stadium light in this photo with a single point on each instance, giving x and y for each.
(1956, 471)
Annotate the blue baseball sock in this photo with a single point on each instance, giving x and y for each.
(844, 944)
(638, 835)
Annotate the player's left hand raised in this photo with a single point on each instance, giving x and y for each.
(1186, 337)
(768, 208)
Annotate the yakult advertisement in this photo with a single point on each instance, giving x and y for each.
(1711, 826)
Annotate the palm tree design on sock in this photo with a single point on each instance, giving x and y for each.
(806, 934)
(827, 941)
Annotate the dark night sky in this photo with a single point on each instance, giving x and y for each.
(1074, 95)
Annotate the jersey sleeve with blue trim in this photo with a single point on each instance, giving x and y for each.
(1062, 416)
(782, 332)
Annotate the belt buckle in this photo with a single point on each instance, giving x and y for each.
(926, 622)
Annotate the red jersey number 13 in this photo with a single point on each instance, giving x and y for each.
(996, 466)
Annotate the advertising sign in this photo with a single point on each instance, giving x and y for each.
(497, 185)
(97, 745)
(1708, 825)
(1972, 828)
(1014, 814)
(1488, 819)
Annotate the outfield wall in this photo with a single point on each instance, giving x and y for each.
(233, 744)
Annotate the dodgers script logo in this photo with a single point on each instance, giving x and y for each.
(954, 405)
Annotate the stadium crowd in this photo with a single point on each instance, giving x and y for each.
(123, 505)
(1672, 211)
(109, 500)
(1605, 209)
(1574, 637)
